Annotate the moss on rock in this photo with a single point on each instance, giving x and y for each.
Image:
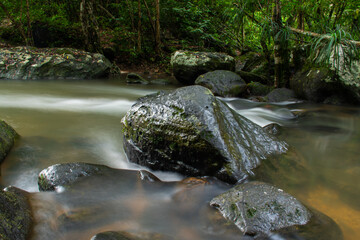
(7, 139)
(15, 214)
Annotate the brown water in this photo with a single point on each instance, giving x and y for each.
(80, 122)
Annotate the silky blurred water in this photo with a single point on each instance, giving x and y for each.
(66, 121)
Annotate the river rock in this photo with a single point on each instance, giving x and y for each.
(67, 174)
(257, 207)
(135, 78)
(51, 63)
(258, 89)
(324, 84)
(280, 95)
(15, 214)
(222, 83)
(188, 65)
(191, 132)
(7, 139)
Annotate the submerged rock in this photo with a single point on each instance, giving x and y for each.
(222, 83)
(7, 139)
(187, 65)
(256, 207)
(135, 78)
(68, 173)
(15, 214)
(51, 63)
(191, 132)
(273, 128)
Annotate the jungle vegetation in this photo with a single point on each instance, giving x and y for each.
(138, 30)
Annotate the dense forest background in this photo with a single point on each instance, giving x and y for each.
(134, 31)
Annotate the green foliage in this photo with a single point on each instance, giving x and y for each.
(335, 49)
(225, 25)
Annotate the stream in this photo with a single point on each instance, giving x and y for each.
(79, 121)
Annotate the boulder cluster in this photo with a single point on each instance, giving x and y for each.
(189, 131)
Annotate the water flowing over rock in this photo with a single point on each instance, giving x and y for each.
(257, 207)
(187, 65)
(51, 63)
(68, 173)
(222, 83)
(15, 214)
(7, 139)
(192, 132)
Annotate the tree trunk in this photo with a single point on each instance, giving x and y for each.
(29, 32)
(277, 44)
(157, 28)
(281, 53)
(139, 27)
(89, 26)
(312, 34)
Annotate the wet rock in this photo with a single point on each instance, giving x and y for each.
(280, 95)
(122, 235)
(258, 89)
(191, 132)
(315, 84)
(7, 139)
(51, 63)
(257, 207)
(15, 214)
(148, 176)
(273, 128)
(324, 84)
(68, 173)
(187, 65)
(222, 83)
(135, 78)
(252, 77)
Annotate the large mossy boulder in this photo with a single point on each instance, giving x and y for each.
(51, 63)
(66, 174)
(324, 84)
(188, 65)
(314, 84)
(222, 83)
(257, 207)
(7, 139)
(192, 132)
(15, 214)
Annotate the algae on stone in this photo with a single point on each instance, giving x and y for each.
(15, 214)
(7, 139)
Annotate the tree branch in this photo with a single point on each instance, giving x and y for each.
(312, 34)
